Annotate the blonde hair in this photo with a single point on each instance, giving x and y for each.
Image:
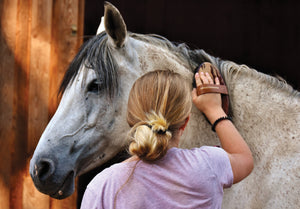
(158, 105)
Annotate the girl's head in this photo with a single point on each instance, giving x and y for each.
(158, 106)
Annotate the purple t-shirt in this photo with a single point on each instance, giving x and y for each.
(182, 179)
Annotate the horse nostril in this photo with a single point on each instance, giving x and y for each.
(44, 169)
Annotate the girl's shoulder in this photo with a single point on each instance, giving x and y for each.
(115, 171)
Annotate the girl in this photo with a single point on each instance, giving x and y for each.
(159, 174)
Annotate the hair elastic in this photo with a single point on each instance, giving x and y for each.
(149, 126)
(157, 131)
(213, 127)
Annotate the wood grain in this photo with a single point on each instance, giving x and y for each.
(8, 14)
(28, 39)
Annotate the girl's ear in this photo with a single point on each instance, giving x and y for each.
(185, 123)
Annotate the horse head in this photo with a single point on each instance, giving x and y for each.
(89, 126)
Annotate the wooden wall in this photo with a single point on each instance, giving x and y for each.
(38, 39)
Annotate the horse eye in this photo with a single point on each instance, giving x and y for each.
(94, 86)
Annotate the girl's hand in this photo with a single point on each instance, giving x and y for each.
(210, 104)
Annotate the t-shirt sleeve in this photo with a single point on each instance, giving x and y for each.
(90, 200)
(219, 162)
(93, 195)
(100, 191)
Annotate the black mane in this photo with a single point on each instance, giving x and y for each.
(94, 54)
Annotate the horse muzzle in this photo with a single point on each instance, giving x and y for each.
(51, 180)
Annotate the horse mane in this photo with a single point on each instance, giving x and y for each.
(94, 54)
(181, 50)
(231, 71)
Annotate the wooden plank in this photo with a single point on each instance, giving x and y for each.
(64, 45)
(80, 23)
(40, 44)
(40, 41)
(8, 17)
(20, 113)
(32, 198)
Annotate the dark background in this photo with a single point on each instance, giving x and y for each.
(263, 34)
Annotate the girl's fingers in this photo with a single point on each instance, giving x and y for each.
(198, 80)
(210, 81)
(204, 78)
(217, 81)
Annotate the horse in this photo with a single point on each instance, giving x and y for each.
(89, 127)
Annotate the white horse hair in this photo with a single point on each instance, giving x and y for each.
(89, 126)
(101, 27)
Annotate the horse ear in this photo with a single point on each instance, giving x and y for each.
(114, 24)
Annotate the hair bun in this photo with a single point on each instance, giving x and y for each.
(150, 139)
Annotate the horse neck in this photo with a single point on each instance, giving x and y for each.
(255, 88)
(261, 103)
